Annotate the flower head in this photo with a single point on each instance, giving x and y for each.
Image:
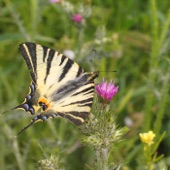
(106, 90)
(77, 18)
(147, 137)
(69, 53)
(55, 1)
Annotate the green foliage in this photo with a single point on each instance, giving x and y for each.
(131, 37)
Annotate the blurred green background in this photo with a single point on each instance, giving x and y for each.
(131, 37)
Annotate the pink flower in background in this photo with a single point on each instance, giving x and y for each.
(77, 18)
(55, 1)
(106, 90)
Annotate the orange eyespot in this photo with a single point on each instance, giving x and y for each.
(44, 103)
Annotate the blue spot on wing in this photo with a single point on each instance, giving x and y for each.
(44, 118)
(25, 106)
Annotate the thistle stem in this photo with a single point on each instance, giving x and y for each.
(102, 158)
(105, 158)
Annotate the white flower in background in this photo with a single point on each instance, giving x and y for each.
(69, 53)
(128, 122)
(68, 7)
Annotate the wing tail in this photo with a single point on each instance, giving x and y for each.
(26, 127)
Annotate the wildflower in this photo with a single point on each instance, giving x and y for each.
(147, 137)
(55, 1)
(106, 90)
(52, 162)
(128, 122)
(77, 18)
(69, 53)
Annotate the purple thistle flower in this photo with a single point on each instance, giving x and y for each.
(106, 90)
(55, 1)
(77, 18)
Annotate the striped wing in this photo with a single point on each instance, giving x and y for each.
(60, 86)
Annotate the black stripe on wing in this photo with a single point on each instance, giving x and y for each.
(79, 114)
(25, 56)
(32, 51)
(75, 117)
(85, 91)
(80, 71)
(49, 60)
(29, 61)
(66, 68)
(45, 49)
(62, 59)
(72, 86)
(81, 102)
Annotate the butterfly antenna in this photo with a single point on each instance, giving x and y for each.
(8, 111)
(94, 56)
(109, 71)
(26, 127)
(5, 112)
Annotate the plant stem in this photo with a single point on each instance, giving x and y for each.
(150, 166)
(15, 147)
(157, 42)
(165, 88)
(102, 158)
(17, 20)
(163, 102)
(105, 158)
(153, 66)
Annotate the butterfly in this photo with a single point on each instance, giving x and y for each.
(59, 87)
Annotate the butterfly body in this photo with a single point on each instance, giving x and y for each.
(59, 88)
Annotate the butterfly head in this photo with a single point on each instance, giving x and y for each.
(44, 103)
(93, 75)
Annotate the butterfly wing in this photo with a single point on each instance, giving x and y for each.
(59, 85)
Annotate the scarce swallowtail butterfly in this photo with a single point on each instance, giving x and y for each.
(59, 87)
